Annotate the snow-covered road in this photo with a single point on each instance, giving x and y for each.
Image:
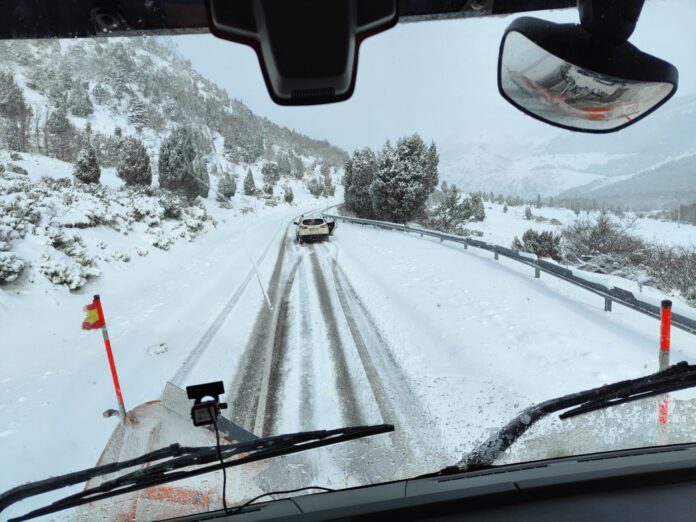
(373, 326)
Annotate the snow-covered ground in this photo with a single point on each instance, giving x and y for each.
(500, 227)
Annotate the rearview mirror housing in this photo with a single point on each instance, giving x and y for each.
(564, 76)
(307, 49)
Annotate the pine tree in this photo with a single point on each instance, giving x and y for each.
(227, 185)
(133, 165)
(59, 131)
(249, 185)
(200, 171)
(538, 201)
(406, 176)
(86, 168)
(15, 114)
(288, 196)
(101, 95)
(270, 173)
(528, 213)
(477, 208)
(359, 172)
(284, 165)
(79, 102)
(315, 187)
(176, 163)
(137, 115)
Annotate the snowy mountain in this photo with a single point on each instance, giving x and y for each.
(91, 132)
(646, 165)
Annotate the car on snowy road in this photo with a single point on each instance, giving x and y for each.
(312, 229)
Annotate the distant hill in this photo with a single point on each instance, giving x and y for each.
(649, 165)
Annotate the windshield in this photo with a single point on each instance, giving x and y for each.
(156, 173)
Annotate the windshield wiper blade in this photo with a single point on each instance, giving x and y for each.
(171, 470)
(677, 377)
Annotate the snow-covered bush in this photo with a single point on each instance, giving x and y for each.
(65, 271)
(11, 266)
(12, 167)
(268, 190)
(86, 168)
(604, 235)
(528, 214)
(315, 187)
(543, 244)
(120, 255)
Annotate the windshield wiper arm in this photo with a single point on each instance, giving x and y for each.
(677, 377)
(170, 470)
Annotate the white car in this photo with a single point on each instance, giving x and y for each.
(310, 229)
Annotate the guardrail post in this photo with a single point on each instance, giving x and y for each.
(495, 256)
(537, 273)
(442, 240)
(466, 245)
(607, 304)
(421, 234)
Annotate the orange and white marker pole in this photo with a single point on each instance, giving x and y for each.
(665, 338)
(110, 356)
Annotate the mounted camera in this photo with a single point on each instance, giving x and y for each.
(205, 412)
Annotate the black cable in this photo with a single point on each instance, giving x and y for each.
(249, 502)
(222, 462)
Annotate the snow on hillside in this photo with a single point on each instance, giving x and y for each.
(648, 165)
(500, 227)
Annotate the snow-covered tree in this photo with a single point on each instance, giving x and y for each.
(227, 185)
(528, 213)
(329, 188)
(15, 114)
(284, 165)
(133, 164)
(288, 196)
(200, 171)
(176, 163)
(315, 187)
(101, 95)
(298, 168)
(477, 208)
(270, 173)
(268, 189)
(249, 185)
(137, 114)
(59, 131)
(86, 167)
(359, 172)
(406, 176)
(79, 102)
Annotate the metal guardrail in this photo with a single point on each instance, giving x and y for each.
(610, 294)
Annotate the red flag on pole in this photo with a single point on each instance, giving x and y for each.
(95, 320)
(92, 320)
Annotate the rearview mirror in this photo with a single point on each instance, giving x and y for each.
(307, 49)
(561, 75)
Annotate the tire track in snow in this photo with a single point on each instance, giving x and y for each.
(219, 320)
(350, 407)
(307, 405)
(396, 400)
(278, 355)
(246, 389)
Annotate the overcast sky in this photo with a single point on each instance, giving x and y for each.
(435, 78)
